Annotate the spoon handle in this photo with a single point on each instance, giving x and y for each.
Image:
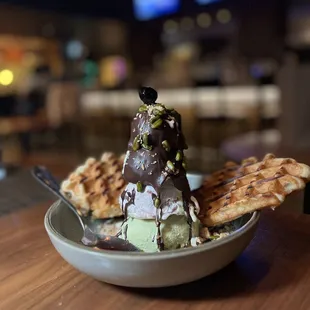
(43, 175)
(46, 178)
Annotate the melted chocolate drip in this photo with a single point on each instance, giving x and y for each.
(132, 197)
(159, 239)
(189, 219)
(149, 166)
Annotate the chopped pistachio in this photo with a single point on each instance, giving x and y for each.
(147, 147)
(142, 108)
(154, 118)
(145, 142)
(136, 143)
(184, 163)
(139, 187)
(170, 165)
(179, 156)
(157, 123)
(158, 112)
(145, 138)
(166, 145)
(213, 237)
(156, 203)
(160, 107)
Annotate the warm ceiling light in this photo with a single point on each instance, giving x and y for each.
(6, 77)
(223, 16)
(204, 20)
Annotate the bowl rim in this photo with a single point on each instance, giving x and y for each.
(143, 255)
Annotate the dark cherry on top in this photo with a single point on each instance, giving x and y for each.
(148, 95)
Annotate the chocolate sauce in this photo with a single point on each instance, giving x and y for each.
(251, 186)
(277, 176)
(159, 239)
(236, 177)
(125, 231)
(149, 166)
(132, 196)
(189, 219)
(83, 180)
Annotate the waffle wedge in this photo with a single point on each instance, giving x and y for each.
(239, 189)
(94, 187)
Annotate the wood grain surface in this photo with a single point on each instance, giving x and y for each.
(273, 273)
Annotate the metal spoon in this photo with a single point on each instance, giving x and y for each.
(45, 177)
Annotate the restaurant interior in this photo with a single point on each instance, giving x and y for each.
(220, 224)
(70, 74)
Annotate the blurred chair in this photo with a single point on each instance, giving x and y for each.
(62, 103)
(253, 132)
(190, 130)
(97, 131)
(189, 124)
(104, 123)
(62, 112)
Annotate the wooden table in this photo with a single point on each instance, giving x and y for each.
(19, 124)
(273, 273)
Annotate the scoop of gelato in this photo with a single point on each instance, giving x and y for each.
(142, 206)
(174, 233)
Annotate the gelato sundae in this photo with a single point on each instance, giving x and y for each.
(159, 211)
(144, 196)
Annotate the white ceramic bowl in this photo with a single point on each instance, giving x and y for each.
(145, 269)
(195, 180)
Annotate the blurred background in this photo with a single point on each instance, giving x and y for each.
(237, 71)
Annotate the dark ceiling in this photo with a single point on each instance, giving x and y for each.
(121, 9)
